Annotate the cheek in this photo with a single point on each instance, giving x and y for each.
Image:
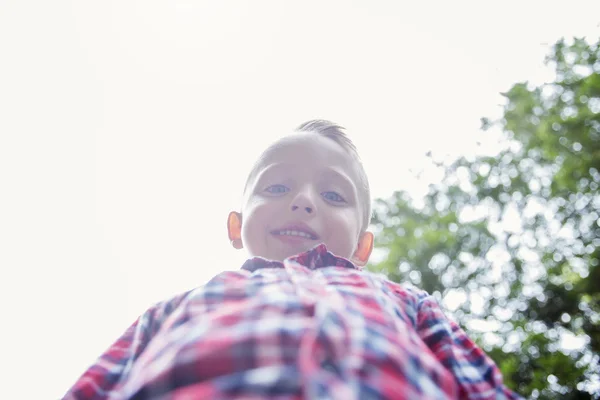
(343, 231)
(345, 222)
(255, 219)
(250, 238)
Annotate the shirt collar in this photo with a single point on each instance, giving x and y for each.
(315, 258)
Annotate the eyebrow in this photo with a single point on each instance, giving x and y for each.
(268, 169)
(342, 176)
(333, 171)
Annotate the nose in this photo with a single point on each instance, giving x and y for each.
(303, 202)
(307, 209)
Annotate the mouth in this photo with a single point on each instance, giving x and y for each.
(295, 231)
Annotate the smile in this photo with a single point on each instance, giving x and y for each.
(294, 233)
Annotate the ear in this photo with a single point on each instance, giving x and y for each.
(234, 229)
(363, 249)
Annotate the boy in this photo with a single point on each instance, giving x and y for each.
(300, 319)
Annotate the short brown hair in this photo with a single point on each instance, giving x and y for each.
(336, 133)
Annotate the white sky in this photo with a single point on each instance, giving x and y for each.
(127, 129)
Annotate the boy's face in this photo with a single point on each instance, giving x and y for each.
(304, 193)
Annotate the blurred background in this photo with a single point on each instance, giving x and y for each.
(127, 129)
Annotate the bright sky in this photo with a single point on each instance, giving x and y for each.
(127, 129)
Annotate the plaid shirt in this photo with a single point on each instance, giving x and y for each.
(313, 326)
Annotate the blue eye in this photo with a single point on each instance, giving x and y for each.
(333, 196)
(277, 189)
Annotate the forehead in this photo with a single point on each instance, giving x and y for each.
(309, 150)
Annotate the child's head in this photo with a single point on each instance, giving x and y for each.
(306, 188)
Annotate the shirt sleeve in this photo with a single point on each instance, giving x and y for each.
(112, 367)
(475, 372)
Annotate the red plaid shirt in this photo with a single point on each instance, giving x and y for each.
(313, 326)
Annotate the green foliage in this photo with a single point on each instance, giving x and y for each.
(510, 244)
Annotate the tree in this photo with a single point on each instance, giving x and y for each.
(510, 243)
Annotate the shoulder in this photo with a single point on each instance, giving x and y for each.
(405, 291)
(156, 314)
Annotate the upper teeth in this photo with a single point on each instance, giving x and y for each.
(295, 233)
